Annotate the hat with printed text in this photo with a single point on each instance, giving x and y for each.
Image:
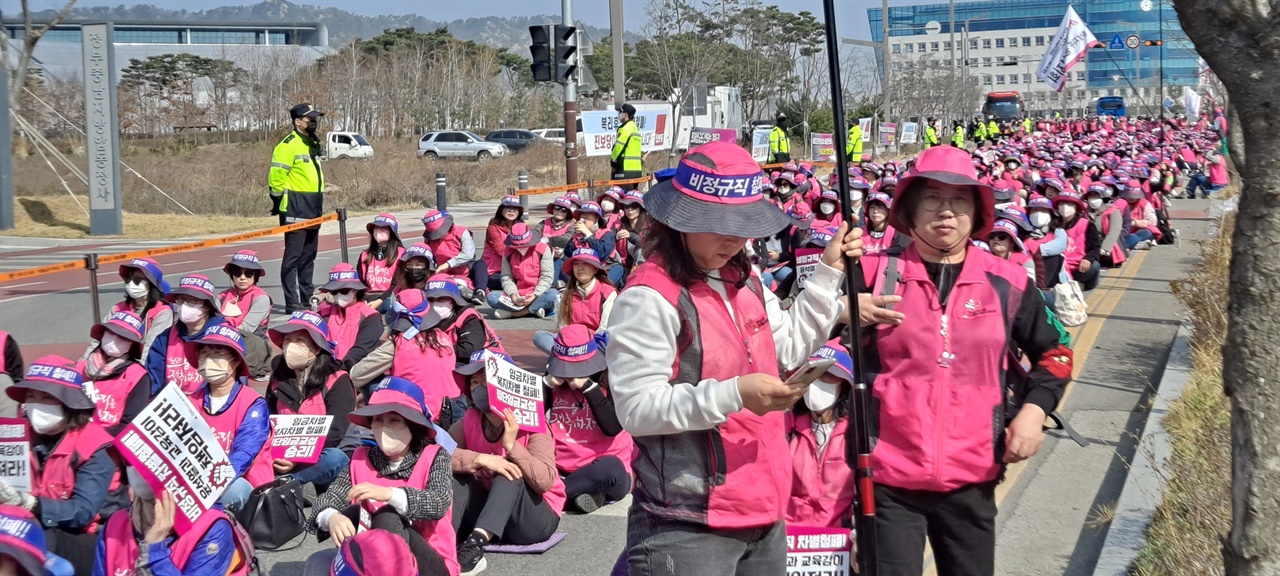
(22, 539)
(196, 286)
(717, 189)
(57, 377)
(343, 276)
(124, 324)
(385, 220)
(149, 268)
(310, 322)
(575, 353)
(442, 286)
(245, 260)
(438, 223)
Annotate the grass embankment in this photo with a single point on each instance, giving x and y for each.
(1183, 539)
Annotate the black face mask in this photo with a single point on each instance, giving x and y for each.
(415, 275)
(311, 126)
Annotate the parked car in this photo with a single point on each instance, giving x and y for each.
(458, 144)
(347, 145)
(552, 134)
(514, 139)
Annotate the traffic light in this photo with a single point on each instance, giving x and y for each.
(541, 52)
(1154, 42)
(566, 53)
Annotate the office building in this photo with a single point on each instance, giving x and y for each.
(999, 45)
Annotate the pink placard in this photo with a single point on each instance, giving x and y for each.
(806, 263)
(299, 439)
(517, 390)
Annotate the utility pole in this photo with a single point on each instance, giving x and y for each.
(884, 80)
(7, 205)
(570, 106)
(951, 28)
(619, 47)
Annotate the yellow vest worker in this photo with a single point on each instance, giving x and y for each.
(930, 137)
(1026, 125)
(854, 147)
(957, 136)
(627, 160)
(779, 143)
(297, 194)
(980, 133)
(993, 130)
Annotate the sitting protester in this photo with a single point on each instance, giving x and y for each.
(355, 327)
(1005, 243)
(590, 232)
(378, 264)
(509, 212)
(144, 296)
(556, 230)
(172, 360)
(307, 381)
(527, 276)
(822, 485)
(418, 350)
(454, 249)
(1108, 218)
(1083, 240)
(247, 308)
(587, 299)
(118, 385)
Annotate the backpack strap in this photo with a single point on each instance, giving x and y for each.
(892, 274)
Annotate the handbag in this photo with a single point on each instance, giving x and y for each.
(274, 514)
(1069, 303)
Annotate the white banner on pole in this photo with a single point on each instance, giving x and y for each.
(1068, 46)
(600, 128)
(1191, 101)
(760, 145)
(908, 133)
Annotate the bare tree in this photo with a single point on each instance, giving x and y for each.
(1238, 39)
(32, 33)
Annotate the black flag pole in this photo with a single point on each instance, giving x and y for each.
(858, 435)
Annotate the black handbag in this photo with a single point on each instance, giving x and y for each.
(275, 514)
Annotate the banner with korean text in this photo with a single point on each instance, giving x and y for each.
(519, 390)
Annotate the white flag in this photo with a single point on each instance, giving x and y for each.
(1068, 47)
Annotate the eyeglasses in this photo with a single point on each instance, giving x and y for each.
(957, 204)
(1001, 238)
(236, 272)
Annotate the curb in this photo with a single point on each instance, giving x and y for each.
(1145, 484)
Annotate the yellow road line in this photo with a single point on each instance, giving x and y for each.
(1101, 303)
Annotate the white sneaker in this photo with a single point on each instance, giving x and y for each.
(541, 313)
(501, 314)
(1143, 245)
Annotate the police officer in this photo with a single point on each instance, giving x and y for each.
(930, 135)
(853, 147)
(627, 160)
(297, 195)
(779, 142)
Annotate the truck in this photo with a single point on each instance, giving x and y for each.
(346, 145)
(719, 107)
(1003, 106)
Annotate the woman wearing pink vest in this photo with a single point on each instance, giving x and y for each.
(1107, 217)
(630, 231)
(237, 414)
(1004, 242)
(416, 265)
(1083, 240)
(403, 484)
(306, 380)
(172, 360)
(142, 540)
(507, 488)
(593, 452)
(75, 477)
(378, 264)
(118, 385)
(355, 328)
(610, 205)
(144, 296)
(587, 298)
(698, 387)
(528, 272)
(1143, 231)
(878, 235)
(558, 229)
(417, 349)
(959, 311)
(822, 484)
(591, 232)
(455, 250)
(495, 235)
(247, 308)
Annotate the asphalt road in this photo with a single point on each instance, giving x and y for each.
(1053, 509)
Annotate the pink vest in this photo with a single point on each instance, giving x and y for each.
(494, 238)
(491, 339)
(872, 245)
(941, 391)
(111, 394)
(122, 544)
(473, 433)
(1117, 253)
(180, 363)
(526, 269)
(1076, 243)
(56, 480)
(741, 473)
(228, 422)
(1137, 211)
(1218, 173)
(587, 311)
(344, 325)
(822, 485)
(243, 301)
(549, 230)
(376, 274)
(4, 343)
(579, 440)
(429, 368)
(448, 247)
(313, 405)
(439, 534)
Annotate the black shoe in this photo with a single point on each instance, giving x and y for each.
(471, 555)
(588, 503)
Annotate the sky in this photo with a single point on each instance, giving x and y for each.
(851, 15)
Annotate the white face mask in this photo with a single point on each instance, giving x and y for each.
(344, 300)
(1068, 211)
(855, 196)
(114, 346)
(190, 314)
(298, 356)
(443, 309)
(137, 289)
(1095, 203)
(393, 440)
(821, 395)
(607, 205)
(1039, 219)
(46, 418)
(214, 370)
(827, 207)
(784, 190)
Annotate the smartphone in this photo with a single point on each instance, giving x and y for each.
(812, 369)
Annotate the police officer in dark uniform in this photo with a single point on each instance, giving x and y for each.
(297, 195)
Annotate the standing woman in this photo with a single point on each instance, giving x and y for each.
(379, 262)
(698, 387)
(113, 378)
(961, 310)
(144, 289)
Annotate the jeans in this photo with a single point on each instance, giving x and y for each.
(544, 340)
(784, 276)
(508, 509)
(1139, 235)
(1088, 280)
(236, 495)
(606, 476)
(325, 470)
(1200, 181)
(615, 274)
(297, 266)
(960, 526)
(662, 547)
(546, 302)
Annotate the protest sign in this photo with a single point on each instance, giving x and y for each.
(15, 454)
(175, 450)
(1067, 47)
(888, 133)
(760, 145)
(806, 263)
(299, 439)
(823, 146)
(505, 300)
(600, 128)
(705, 135)
(865, 125)
(517, 390)
(909, 133)
(818, 551)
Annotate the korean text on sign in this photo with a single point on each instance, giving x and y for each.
(299, 439)
(15, 454)
(517, 390)
(818, 551)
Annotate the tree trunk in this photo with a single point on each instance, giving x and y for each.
(1239, 41)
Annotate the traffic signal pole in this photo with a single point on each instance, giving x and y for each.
(570, 101)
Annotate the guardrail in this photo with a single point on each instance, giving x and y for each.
(93, 261)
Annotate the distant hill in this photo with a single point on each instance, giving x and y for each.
(511, 33)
